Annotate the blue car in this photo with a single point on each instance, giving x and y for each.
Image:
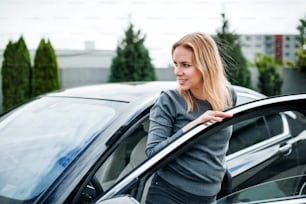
(86, 144)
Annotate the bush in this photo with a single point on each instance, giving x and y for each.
(301, 60)
(269, 80)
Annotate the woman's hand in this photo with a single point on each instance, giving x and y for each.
(208, 117)
(213, 116)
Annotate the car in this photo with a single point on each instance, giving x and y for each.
(86, 144)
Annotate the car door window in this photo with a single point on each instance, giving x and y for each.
(247, 133)
(275, 124)
(252, 131)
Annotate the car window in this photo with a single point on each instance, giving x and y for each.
(296, 122)
(247, 133)
(252, 131)
(275, 124)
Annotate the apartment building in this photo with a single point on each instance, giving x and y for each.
(281, 47)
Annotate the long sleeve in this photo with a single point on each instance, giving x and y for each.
(162, 118)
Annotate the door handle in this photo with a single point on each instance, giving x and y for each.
(285, 149)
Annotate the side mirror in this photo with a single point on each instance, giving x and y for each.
(126, 199)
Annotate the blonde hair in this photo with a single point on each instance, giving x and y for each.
(206, 58)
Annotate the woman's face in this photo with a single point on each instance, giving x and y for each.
(187, 75)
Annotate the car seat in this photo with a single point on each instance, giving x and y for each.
(137, 156)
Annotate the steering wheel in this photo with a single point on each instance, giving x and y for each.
(97, 185)
(88, 192)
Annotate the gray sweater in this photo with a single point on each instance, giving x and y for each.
(200, 169)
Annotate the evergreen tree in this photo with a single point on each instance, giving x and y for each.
(230, 51)
(25, 69)
(16, 74)
(301, 52)
(302, 32)
(132, 61)
(45, 77)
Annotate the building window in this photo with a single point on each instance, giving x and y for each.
(268, 37)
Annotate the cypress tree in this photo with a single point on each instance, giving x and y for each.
(230, 51)
(7, 71)
(16, 74)
(24, 68)
(45, 77)
(132, 61)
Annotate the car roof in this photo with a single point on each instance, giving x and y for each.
(129, 91)
(126, 92)
(244, 90)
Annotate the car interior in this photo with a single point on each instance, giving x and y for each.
(129, 154)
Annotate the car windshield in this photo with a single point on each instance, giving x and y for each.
(40, 139)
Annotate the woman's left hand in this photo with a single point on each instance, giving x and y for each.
(209, 116)
(213, 116)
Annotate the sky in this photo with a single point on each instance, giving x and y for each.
(68, 24)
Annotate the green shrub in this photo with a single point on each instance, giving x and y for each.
(301, 60)
(269, 79)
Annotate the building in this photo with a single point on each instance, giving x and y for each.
(281, 47)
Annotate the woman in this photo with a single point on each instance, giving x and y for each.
(202, 94)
